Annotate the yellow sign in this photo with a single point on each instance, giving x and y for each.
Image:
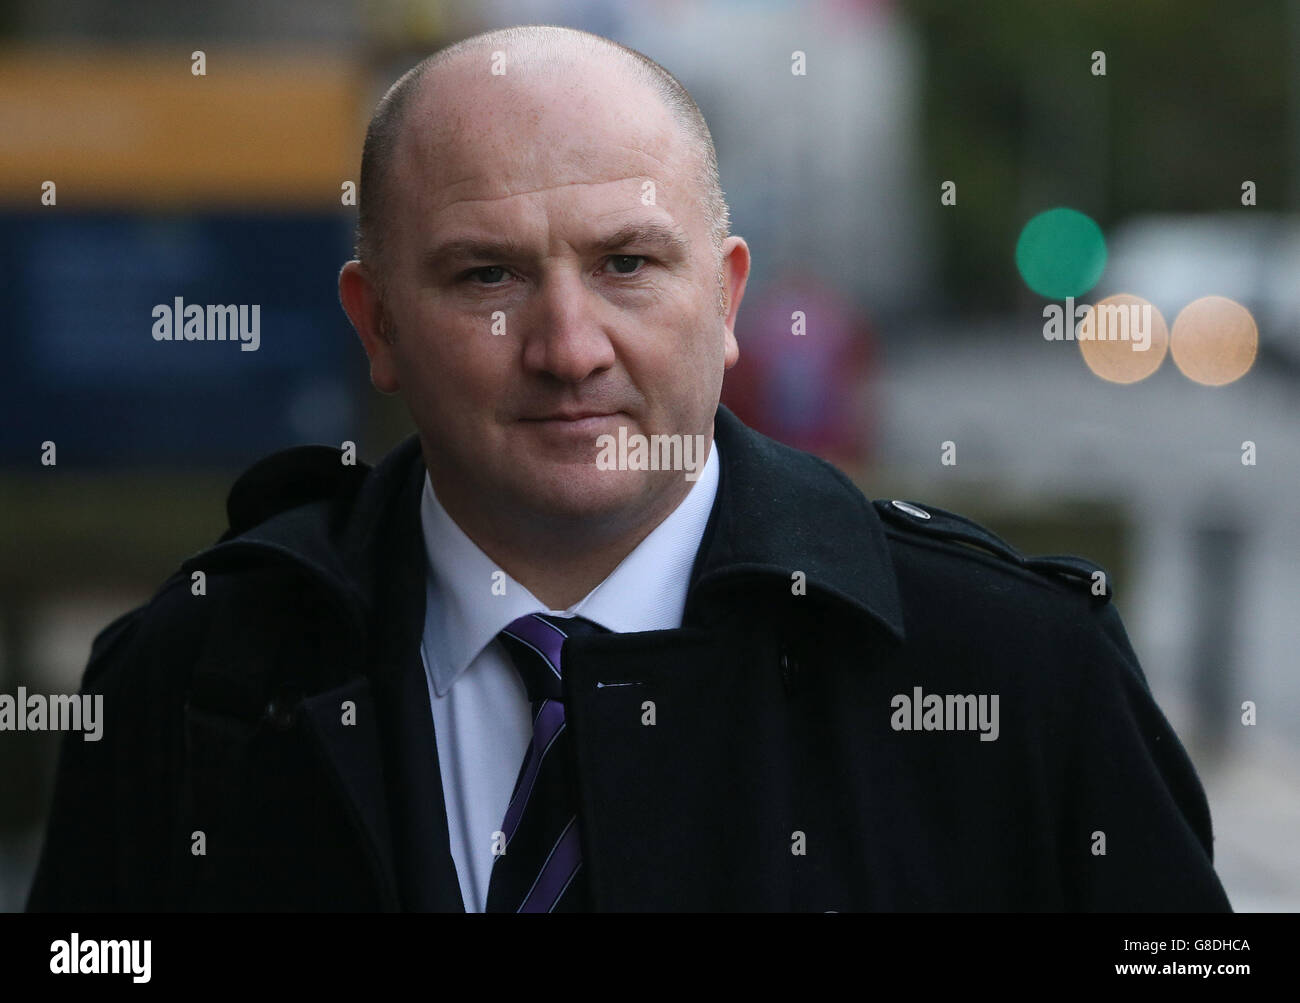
(146, 129)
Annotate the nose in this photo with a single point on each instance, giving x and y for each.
(563, 335)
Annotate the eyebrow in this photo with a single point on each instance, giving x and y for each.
(667, 239)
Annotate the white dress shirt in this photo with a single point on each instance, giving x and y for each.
(482, 717)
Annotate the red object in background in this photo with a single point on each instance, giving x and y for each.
(810, 390)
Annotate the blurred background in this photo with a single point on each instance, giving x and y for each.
(918, 182)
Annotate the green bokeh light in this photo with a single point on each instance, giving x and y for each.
(1060, 253)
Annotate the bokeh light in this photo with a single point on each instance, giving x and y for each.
(1061, 252)
(1115, 354)
(1214, 340)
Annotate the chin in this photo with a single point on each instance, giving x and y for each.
(585, 493)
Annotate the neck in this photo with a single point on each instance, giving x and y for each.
(559, 562)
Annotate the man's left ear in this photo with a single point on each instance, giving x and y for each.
(735, 273)
(365, 308)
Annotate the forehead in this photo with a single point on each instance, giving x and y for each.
(582, 133)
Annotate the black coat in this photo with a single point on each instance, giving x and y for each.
(774, 777)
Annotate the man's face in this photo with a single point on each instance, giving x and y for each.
(513, 359)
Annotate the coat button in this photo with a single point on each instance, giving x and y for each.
(280, 714)
(909, 509)
(789, 669)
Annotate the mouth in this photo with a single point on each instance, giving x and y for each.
(578, 422)
(571, 416)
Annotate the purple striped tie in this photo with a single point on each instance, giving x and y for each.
(540, 868)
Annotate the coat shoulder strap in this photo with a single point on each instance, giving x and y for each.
(936, 524)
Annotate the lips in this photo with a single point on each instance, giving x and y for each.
(573, 415)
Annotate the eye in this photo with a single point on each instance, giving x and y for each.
(623, 259)
(486, 268)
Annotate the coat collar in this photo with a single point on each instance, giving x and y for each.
(778, 510)
(781, 510)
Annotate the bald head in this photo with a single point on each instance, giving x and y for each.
(548, 53)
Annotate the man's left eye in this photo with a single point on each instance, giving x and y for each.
(626, 259)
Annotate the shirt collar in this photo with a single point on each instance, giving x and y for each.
(468, 606)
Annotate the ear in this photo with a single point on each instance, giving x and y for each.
(735, 273)
(364, 307)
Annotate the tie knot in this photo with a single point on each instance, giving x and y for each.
(535, 642)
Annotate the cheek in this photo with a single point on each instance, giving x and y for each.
(683, 374)
(454, 353)
(707, 346)
(710, 360)
(692, 326)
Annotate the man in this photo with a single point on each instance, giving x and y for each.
(513, 669)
